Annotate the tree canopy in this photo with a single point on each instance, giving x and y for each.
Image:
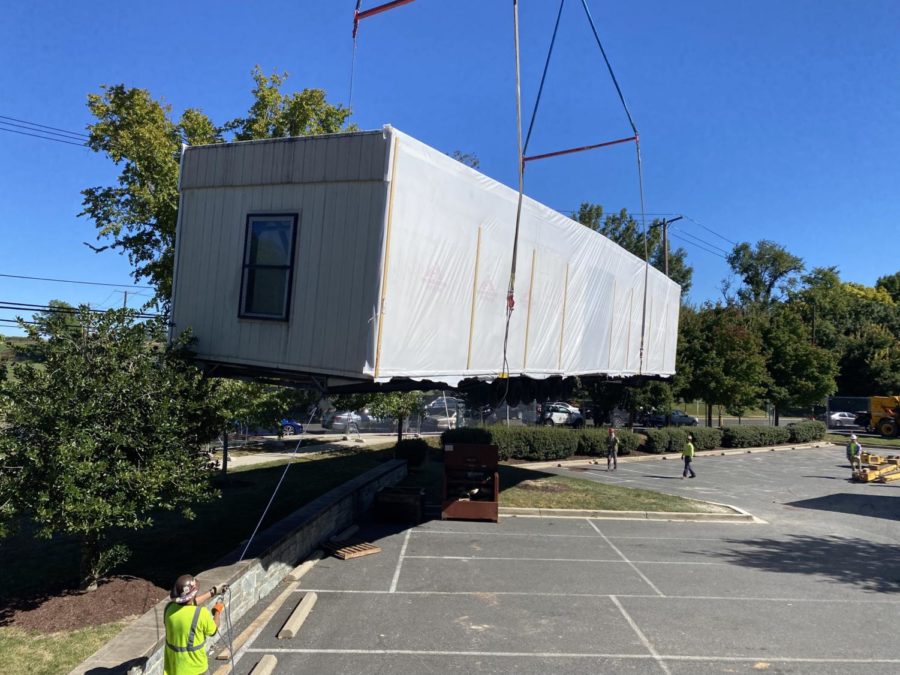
(103, 425)
(138, 215)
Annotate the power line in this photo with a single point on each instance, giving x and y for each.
(44, 126)
(700, 246)
(28, 307)
(72, 281)
(711, 231)
(65, 134)
(46, 138)
(702, 241)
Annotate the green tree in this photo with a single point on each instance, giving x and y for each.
(103, 432)
(890, 283)
(767, 272)
(624, 230)
(860, 326)
(800, 373)
(254, 404)
(870, 362)
(138, 215)
(399, 404)
(724, 355)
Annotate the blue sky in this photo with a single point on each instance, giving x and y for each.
(771, 120)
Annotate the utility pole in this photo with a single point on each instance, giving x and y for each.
(665, 228)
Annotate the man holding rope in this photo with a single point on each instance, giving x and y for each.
(188, 624)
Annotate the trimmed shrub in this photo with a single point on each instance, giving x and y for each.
(668, 439)
(413, 450)
(528, 443)
(809, 430)
(592, 441)
(706, 438)
(753, 436)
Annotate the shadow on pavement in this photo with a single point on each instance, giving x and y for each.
(874, 506)
(872, 566)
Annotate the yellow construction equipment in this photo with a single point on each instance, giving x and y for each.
(880, 469)
(883, 415)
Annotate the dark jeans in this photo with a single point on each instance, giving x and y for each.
(687, 466)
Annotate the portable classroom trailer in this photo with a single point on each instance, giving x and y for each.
(371, 257)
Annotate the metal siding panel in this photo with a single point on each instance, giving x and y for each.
(298, 151)
(264, 174)
(217, 178)
(189, 168)
(284, 153)
(331, 291)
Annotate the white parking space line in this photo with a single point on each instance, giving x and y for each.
(646, 596)
(584, 560)
(622, 555)
(643, 638)
(768, 658)
(400, 562)
(531, 535)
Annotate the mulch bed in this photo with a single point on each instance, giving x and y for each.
(115, 599)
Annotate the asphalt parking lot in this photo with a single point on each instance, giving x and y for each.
(814, 589)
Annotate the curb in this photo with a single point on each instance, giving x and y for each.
(627, 459)
(737, 516)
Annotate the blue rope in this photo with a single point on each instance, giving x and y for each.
(608, 66)
(543, 77)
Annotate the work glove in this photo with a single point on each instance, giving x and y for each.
(218, 608)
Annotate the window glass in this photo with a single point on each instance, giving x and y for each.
(268, 266)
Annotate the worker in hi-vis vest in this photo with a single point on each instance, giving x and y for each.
(188, 624)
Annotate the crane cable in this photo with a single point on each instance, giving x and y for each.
(637, 145)
(510, 295)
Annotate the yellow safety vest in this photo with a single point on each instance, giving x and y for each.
(187, 627)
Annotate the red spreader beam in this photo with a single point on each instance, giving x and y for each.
(365, 14)
(581, 149)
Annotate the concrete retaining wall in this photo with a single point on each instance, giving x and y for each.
(273, 553)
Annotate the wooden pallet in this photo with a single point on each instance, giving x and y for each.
(345, 550)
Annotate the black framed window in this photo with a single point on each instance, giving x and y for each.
(268, 266)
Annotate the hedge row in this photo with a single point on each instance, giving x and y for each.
(673, 439)
(810, 430)
(752, 437)
(542, 443)
(549, 443)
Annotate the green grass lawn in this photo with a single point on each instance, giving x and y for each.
(527, 488)
(878, 443)
(53, 654)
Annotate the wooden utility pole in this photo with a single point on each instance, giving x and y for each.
(665, 229)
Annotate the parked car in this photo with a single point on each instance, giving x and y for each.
(842, 419)
(346, 420)
(676, 418)
(290, 426)
(554, 414)
(439, 422)
(441, 406)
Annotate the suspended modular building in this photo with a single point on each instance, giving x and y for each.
(371, 258)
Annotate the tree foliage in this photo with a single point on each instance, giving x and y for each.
(890, 283)
(623, 229)
(801, 373)
(105, 430)
(137, 216)
(767, 272)
(724, 354)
